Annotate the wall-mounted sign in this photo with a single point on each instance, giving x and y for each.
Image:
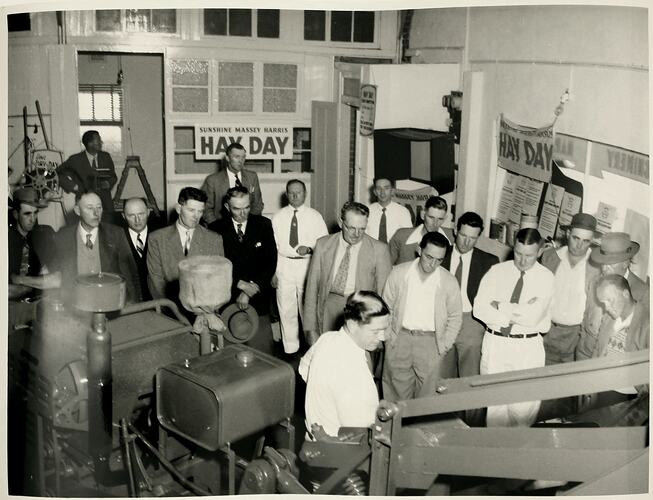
(414, 200)
(618, 161)
(526, 151)
(263, 142)
(367, 109)
(570, 151)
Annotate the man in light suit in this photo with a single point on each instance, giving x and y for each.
(185, 238)
(404, 243)
(135, 212)
(216, 185)
(342, 263)
(91, 169)
(92, 246)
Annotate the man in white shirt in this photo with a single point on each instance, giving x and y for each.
(296, 229)
(403, 244)
(513, 301)
(426, 318)
(573, 275)
(386, 216)
(340, 390)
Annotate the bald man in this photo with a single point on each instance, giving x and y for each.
(135, 212)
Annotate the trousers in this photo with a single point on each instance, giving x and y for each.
(290, 300)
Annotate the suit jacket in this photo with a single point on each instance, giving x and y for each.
(40, 241)
(165, 251)
(255, 259)
(77, 170)
(479, 264)
(401, 252)
(216, 186)
(637, 337)
(114, 257)
(373, 268)
(140, 263)
(448, 307)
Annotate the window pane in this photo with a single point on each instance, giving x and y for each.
(240, 22)
(235, 99)
(235, 74)
(314, 24)
(164, 20)
(137, 20)
(22, 22)
(184, 138)
(189, 72)
(267, 25)
(341, 26)
(301, 162)
(301, 138)
(190, 100)
(85, 106)
(280, 75)
(363, 26)
(107, 20)
(185, 163)
(215, 21)
(279, 100)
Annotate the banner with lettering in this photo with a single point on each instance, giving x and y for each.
(414, 200)
(262, 142)
(526, 151)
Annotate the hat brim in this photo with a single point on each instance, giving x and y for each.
(229, 314)
(568, 227)
(613, 258)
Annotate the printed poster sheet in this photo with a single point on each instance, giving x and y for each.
(570, 207)
(550, 210)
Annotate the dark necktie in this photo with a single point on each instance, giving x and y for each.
(293, 241)
(140, 246)
(459, 271)
(340, 280)
(187, 243)
(383, 228)
(514, 299)
(89, 241)
(241, 235)
(238, 183)
(94, 164)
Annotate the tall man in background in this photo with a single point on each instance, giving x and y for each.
(386, 216)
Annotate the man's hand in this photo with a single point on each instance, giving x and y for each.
(248, 287)
(303, 250)
(311, 336)
(243, 301)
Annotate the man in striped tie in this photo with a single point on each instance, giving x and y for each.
(135, 212)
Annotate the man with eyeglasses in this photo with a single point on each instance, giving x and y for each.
(342, 263)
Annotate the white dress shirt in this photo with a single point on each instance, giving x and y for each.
(396, 216)
(568, 303)
(421, 292)
(232, 178)
(310, 227)
(419, 232)
(531, 314)
(83, 232)
(90, 158)
(133, 235)
(353, 263)
(465, 260)
(243, 226)
(184, 233)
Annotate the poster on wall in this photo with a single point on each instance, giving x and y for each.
(262, 142)
(527, 194)
(605, 216)
(570, 206)
(550, 210)
(367, 109)
(507, 198)
(525, 151)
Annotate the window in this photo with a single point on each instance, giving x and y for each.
(190, 85)
(184, 147)
(240, 22)
(301, 158)
(339, 26)
(101, 109)
(137, 20)
(19, 22)
(235, 86)
(279, 88)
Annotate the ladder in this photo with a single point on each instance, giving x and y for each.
(134, 162)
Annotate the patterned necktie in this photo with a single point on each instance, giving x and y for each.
(293, 241)
(187, 243)
(241, 235)
(94, 164)
(459, 271)
(383, 228)
(238, 183)
(89, 241)
(140, 246)
(24, 259)
(514, 299)
(340, 280)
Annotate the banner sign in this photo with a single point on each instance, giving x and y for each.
(262, 142)
(526, 151)
(618, 161)
(570, 151)
(367, 109)
(414, 200)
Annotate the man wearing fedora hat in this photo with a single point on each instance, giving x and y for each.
(573, 278)
(613, 256)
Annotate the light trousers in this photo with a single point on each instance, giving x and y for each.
(290, 300)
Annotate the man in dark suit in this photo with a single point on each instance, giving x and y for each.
(90, 170)
(136, 213)
(185, 238)
(90, 247)
(250, 246)
(217, 184)
(469, 264)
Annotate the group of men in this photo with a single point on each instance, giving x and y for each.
(441, 306)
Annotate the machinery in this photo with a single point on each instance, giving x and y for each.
(107, 400)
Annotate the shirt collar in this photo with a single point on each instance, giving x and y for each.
(134, 234)
(243, 225)
(344, 244)
(184, 230)
(90, 157)
(83, 232)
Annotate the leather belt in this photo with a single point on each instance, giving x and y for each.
(564, 326)
(295, 258)
(512, 335)
(424, 333)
